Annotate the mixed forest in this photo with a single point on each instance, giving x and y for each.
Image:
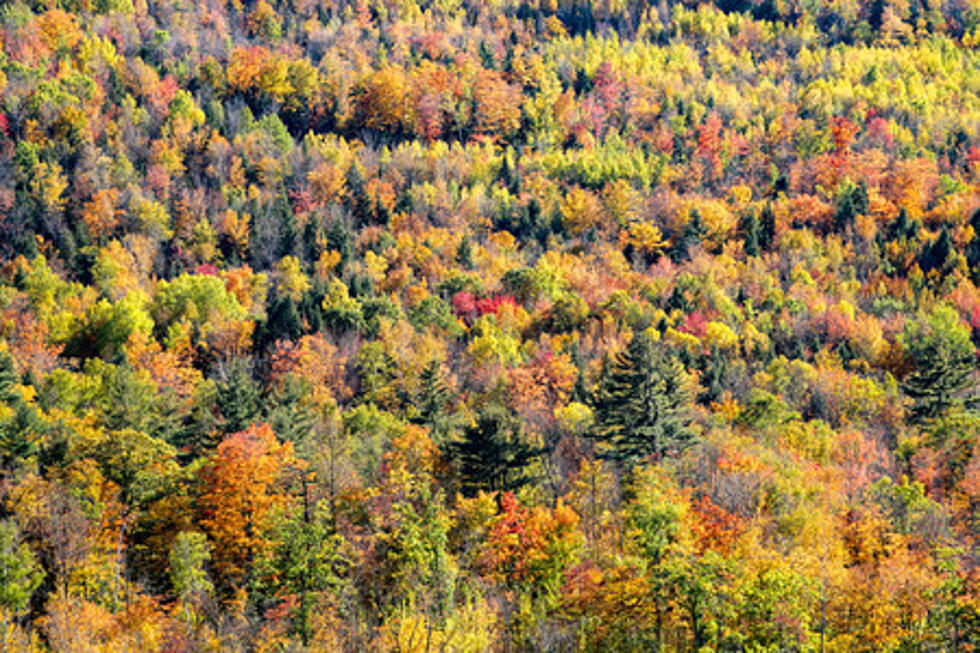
(517, 325)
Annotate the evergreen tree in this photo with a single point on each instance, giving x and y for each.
(692, 235)
(238, 397)
(434, 394)
(767, 224)
(8, 378)
(852, 201)
(641, 407)
(972, 251)
(493, 454)
(20, 574)
(944, 364)
(288, 228)
(464, 253)
(939, 255)
(284, 321)
(751, 230)
(339, 239)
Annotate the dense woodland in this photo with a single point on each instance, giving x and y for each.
(409, 325)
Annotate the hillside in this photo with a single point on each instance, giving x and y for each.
(489, 326)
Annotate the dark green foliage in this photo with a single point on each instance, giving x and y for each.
(751, 234)
(284, 321)
(694, 232)
(944, 363)
(852, 201)
(238, 397)
(642, 405)
(493, 454)
(939, 255)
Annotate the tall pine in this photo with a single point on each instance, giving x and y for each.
(642, 405)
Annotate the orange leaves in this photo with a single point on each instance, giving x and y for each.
(241, 486)
(101, 214)
(497, 105)
(531, 545)
(245, 67)
(381, 103)
(316, 361)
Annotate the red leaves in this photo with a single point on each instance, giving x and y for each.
(695, 324)
(469, 308)
(531, 544)
(843, 132)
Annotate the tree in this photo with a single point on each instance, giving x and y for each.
(641, 407)
(188, 555)
(305, 557)
(20, 574)
(238, 397)
(943, 361)
(693, 234)
(493, 453)
(239, 490)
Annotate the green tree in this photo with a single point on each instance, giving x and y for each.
(306, 558)
(642, 404)
(943, 363)
(493, 453)
(20, 574)
(188, 556)
(238, 397)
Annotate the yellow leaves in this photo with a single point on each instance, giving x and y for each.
(647, 238)
(580, 211)
(469, 627)
(326, 264)
(326, 183)
(292, 282)
(48, 184)
(381, 104)
(59, 29)
(101, 214)
(720, 335)
(574, 417)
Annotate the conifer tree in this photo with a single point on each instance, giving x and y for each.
(751, 230)
(238, 398)
(493, 454)
(944, 364)
(641, 407)
(692, 235)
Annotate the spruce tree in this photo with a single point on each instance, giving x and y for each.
(641, 408)
(944, 364)
(767, 224)
(493, 454)
(751, 231)
(238, 398)
(692, 235)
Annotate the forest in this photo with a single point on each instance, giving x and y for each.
(503, 325)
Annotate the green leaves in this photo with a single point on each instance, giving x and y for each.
(20, 573)
(642, 404)
(944, 363)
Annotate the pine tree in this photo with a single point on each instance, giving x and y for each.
(972, 251)
(641, 408)
(434, 393)
(493, 454)
(238, 398)
(20, 574)
(751, 230)
(944, 363)
(937, 255)
(692, 235)
(767, 221)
